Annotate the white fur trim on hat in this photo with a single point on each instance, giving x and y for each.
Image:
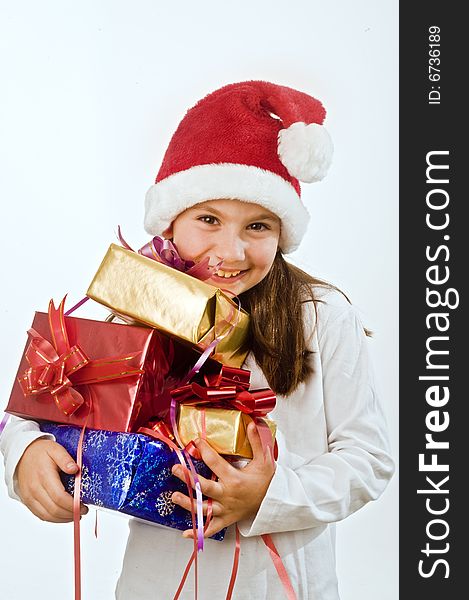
(169, 197)
(306, 151)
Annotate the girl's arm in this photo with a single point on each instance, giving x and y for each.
(33, 461)
(298, 493)
(357, 466)
(17, 436)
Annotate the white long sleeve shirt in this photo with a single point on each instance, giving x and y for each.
(333, 458)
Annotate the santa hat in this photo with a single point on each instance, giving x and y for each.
(251, 141)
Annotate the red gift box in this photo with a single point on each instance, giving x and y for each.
(109, 375)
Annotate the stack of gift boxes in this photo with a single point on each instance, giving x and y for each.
(173, 367)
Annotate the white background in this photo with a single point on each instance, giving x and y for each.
(91, 93)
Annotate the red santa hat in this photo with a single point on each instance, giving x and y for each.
(251, 141)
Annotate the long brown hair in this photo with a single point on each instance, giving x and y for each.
(278, 338)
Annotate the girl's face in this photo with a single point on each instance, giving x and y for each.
(244, 235)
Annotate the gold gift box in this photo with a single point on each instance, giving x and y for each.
(157, 295)
(225, 429)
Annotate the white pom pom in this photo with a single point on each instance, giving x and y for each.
(306, 151)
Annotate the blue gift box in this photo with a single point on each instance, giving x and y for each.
(128, 472)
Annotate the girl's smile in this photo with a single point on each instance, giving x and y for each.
(243, 235)
(223, 275)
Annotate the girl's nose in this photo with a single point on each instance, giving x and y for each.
(231, 248)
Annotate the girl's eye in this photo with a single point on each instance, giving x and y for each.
(258, 226)
(209, 219)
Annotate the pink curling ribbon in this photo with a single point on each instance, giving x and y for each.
(159, 431)
(77, 305)
(165, 252)
(198, 490)
(172, 414)
(218, 338)
(190, 450)
(4, 421)
(257, 404)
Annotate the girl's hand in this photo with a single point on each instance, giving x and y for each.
(39, 485)
(238, 493)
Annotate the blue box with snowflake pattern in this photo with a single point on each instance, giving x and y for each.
(129, 473)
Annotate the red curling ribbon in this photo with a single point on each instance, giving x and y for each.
(193, 451)
(232, 389)
(255, 403)
(279, 566)
(234, 570)
(182, 583)
(155, 431)
(76, 516)
(76, 508)
(56, 367)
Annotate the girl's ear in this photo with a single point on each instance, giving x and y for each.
(168, 233)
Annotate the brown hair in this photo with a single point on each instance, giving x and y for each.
(278, 338)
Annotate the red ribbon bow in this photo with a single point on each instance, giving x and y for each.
(50, 365)
(55, 367)
(227, 389)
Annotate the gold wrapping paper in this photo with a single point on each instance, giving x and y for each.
(157, 295)
(225, 429)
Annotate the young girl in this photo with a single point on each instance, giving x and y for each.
(228, 189)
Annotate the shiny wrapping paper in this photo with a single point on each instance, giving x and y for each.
(121, 404)
(154, 294)
(225, 429)
(128, 473)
